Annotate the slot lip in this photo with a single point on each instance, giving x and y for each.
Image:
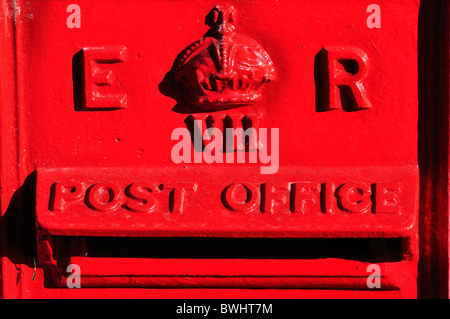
(330, 273)
(236, 272)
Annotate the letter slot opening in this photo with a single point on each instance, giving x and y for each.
(296, 263)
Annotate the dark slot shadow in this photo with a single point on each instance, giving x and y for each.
(18, 225)
(321, 79)
(79, 100)
(360, 249)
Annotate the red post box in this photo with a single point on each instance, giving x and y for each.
(248, 149)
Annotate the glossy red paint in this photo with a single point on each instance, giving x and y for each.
(223, 69)
(98, 75)
(154, 203)
(87, 169)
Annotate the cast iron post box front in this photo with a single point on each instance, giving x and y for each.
(163, 149)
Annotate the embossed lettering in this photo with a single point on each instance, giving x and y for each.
(178, 194)
(340, 74)
(142, 193)
(306, 198)
(387, 198)
(276, 195)
(62, 193)
(242, 197)
(329, 199)
(104, 196)
(101, 84)
(355, 197)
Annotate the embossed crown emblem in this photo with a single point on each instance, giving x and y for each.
(223, 69)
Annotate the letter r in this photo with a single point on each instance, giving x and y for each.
(344, 71)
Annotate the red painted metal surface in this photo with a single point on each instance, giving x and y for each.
(91, 115)
(69, 201)
(223, 69)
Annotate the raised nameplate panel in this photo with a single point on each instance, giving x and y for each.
(300, 202)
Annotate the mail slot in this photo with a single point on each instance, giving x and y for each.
(247, 149)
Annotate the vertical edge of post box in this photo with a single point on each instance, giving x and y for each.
(446, 56)
(433, 151)
(9, 181)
